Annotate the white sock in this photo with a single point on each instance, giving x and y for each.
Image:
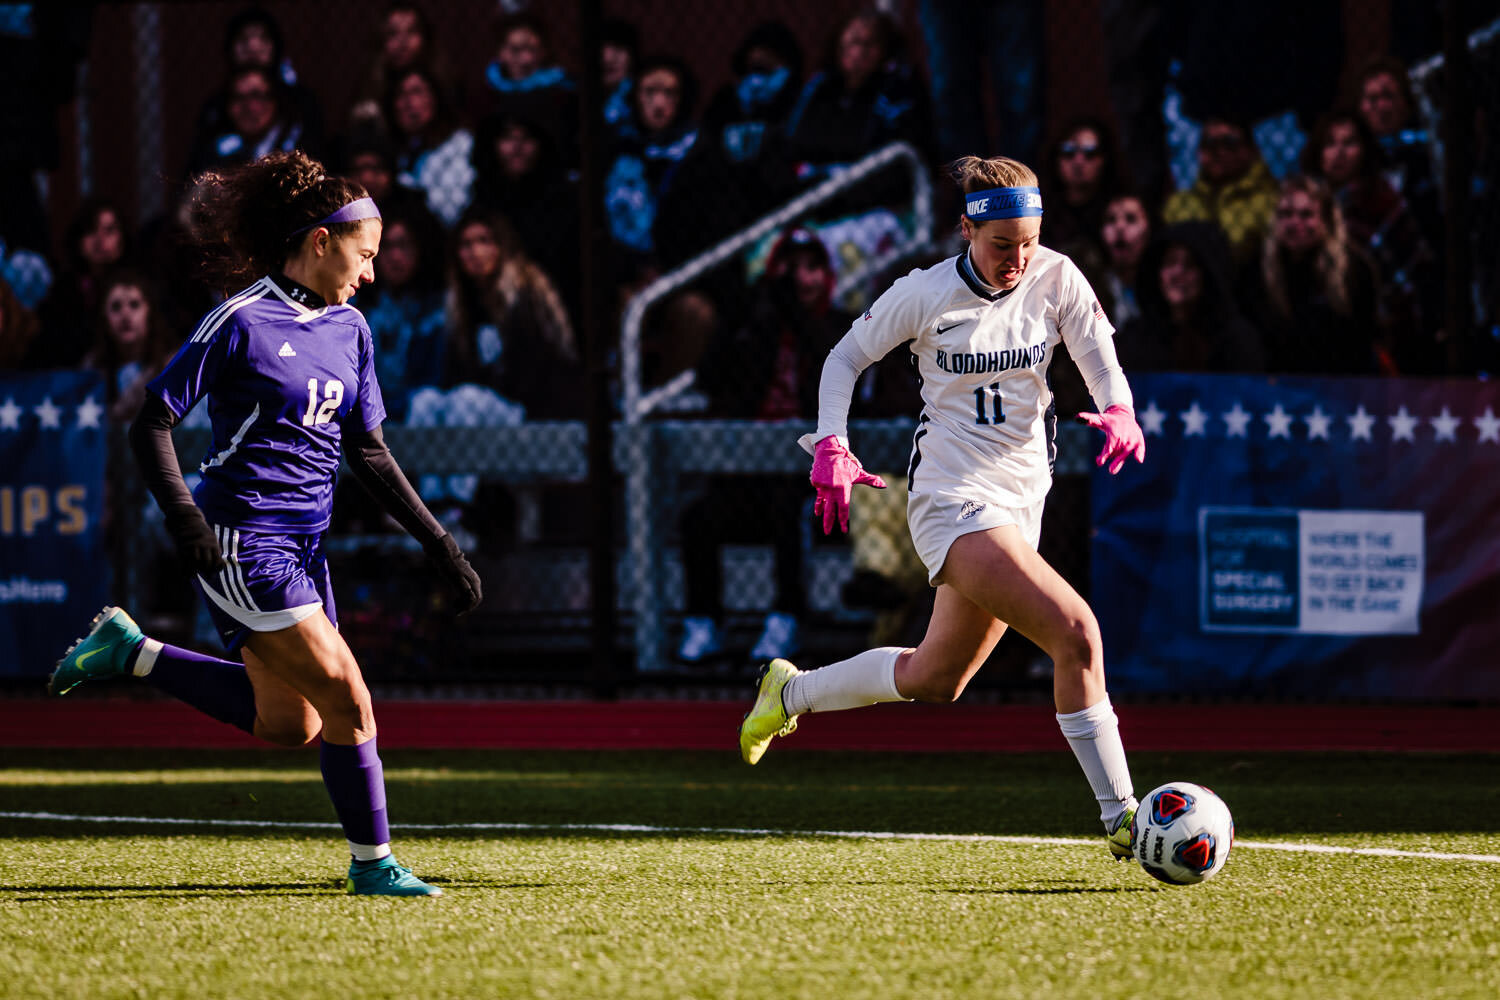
(368, 852)
(145, 657)
(864, 679)
(1094, 735)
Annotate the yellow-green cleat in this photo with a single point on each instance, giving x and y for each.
(386, 877)
(103, 652)
(1121, 839)
(768, 717)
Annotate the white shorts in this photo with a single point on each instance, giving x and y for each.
(937, 518)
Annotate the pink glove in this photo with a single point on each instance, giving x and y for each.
(835, 473)
(1122, 436)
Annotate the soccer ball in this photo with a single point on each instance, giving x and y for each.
(1182, 833)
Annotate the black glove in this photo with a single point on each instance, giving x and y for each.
(456, 572)
(194, 539)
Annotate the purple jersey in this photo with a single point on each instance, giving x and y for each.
(281, 379)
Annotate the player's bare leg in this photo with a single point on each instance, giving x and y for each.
(282, 715)
(960, 637)
(1000, 571)
(312, 659)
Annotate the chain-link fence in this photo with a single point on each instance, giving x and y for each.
(1199, 162)
(1470, 89)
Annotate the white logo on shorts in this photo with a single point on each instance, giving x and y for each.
(969, 509)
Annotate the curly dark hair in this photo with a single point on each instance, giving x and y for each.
(255, 212)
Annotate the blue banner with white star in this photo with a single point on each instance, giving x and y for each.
(1304, 537)
(54, 572)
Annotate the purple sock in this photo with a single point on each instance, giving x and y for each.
(217, 688)
(356, 784)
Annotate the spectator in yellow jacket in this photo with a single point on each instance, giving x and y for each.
(1234, 188)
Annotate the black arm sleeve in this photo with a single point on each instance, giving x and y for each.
(151, 441)
(375, 467)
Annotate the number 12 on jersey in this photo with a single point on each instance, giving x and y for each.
(997, 415)
(333, 395)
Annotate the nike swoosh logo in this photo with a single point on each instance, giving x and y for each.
(944, 329)
(85, 656)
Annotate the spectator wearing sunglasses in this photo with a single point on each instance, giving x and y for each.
(1234, 188)
(1082, 174)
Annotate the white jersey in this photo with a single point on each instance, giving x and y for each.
(988, 425)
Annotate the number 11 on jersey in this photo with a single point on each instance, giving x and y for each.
(997, 415)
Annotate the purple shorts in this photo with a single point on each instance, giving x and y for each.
(268, 583)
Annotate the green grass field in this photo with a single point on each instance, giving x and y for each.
(735, 883)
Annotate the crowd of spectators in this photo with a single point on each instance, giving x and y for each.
(1224, 259)
(1332, 267)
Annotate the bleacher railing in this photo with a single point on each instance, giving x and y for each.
(643, 470)
(637, 404)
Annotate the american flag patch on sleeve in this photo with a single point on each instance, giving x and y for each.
(1098, 311)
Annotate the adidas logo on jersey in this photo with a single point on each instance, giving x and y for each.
(286, 350)
(969, 509)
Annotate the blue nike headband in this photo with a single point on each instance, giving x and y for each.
(1003, 203)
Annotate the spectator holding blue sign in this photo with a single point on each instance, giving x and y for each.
(433, 149)
(984, 326)
(288, 368)
(647, 159)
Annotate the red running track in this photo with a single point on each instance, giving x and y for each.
(712, 725)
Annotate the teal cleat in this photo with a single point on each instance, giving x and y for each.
(386, 877)
(113, 636)
(768, 717)
(1121, 839)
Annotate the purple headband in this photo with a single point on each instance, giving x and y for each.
(359, 208)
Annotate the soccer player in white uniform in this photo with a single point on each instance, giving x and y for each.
(983, 327)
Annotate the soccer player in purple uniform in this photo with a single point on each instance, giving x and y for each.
(288, 369)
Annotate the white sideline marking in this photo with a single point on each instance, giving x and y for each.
(968, 838)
